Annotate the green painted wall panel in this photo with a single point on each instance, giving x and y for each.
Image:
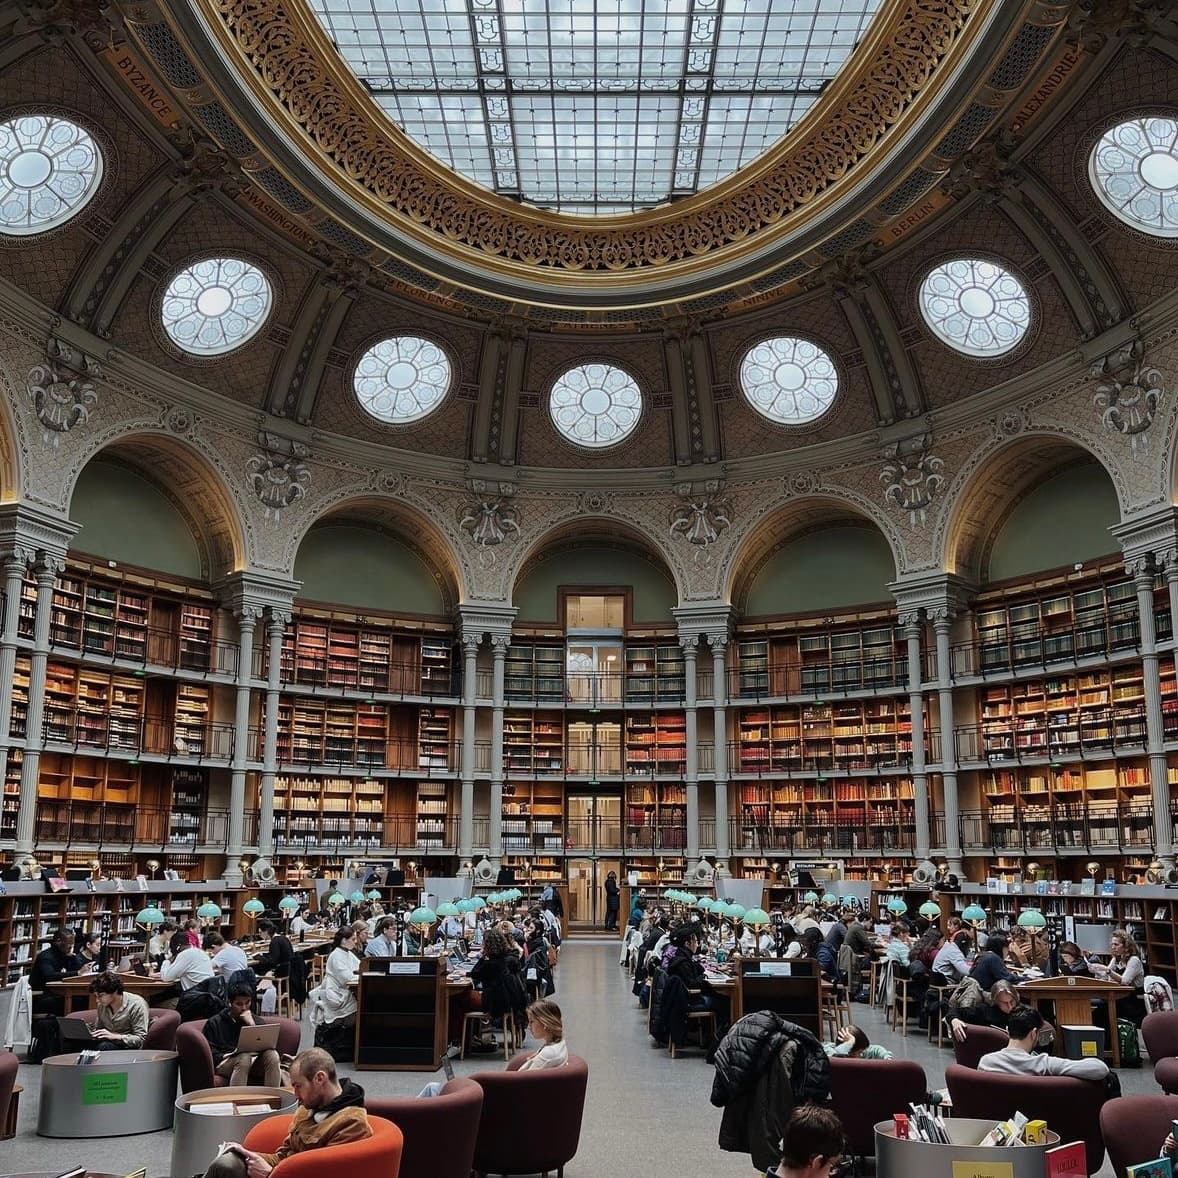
(536, 595)
(1063, 520)
(125, 518)
(832, 568)
(348, 565)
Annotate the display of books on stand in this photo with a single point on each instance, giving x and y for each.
(212, 1106)
(1067, 1161)
(1158, 1168)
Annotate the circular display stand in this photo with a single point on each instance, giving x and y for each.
(197, 1135)
(899, 1158)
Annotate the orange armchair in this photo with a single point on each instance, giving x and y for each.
(378, 1156)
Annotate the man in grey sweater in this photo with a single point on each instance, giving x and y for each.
(1016, 1059)
(123, 1018)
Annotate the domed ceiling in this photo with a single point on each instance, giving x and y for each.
(587, 106)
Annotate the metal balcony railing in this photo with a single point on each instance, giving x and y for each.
(832, 677)
(594, 689)
(145, 647)
(104, 824)
(157, 737)
(1064, 734)
(1106, 827)
(398, 679)
(303, 750)
(865, 754)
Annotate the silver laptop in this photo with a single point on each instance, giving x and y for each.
(259, 1038)
(73, 1030)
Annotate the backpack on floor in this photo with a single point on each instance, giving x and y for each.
(1130, 1051)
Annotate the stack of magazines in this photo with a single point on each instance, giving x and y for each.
(926, 1125)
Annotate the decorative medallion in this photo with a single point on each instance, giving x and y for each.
(1129, 393)
(277, 473)
(61, 390)
(489, 522)
(912, 478)
(701, 518)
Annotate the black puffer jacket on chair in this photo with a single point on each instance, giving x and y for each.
(765, 1065)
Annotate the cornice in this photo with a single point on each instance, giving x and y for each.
(845, 173)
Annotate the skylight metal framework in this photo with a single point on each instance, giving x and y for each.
(595, 106)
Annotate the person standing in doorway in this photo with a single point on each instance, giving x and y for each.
(612, 900)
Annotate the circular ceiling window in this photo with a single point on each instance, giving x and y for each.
(216, 305)
(790, 381)
(595, 404)
(401, 379)
(49, 169)
(1134, 170)
(975, 306)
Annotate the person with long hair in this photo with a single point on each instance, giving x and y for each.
(334, 1001)
(546, 1024)
(1126, 967)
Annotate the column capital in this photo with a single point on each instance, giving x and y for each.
(479, 619)
(1149, 534)
(49, 567)
(933, 593)
(38, 533)
(704, 621)
(471, 643)
(719, 642)
(499, 645)
(690, 644)
(18, 559)
(1141, 568)
(278, 620)
(258, 592)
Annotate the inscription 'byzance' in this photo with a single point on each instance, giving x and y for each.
(923, 33)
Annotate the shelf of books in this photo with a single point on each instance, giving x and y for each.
(189, 802)
(654, 673)
(29, 915)
(332, 653)
(533, 743)
(656, 744)
(849, 736)
(535, 671)
(656, 816)
(533, 817)
(433, 814)
(328, 812)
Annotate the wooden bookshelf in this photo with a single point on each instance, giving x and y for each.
(654, 672)
(435, 731)
(656, 815)
(533, 817)
(533, 743)
(656, 744)
(10, 803)
(188, 804)
(535, 671)
(433, 816)
(850, 735)
(342, 813)
(363, 734)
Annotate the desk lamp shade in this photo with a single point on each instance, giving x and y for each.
(930, 910)
(756, 917)
(209, 911)
(736, 911)
(288, 904)
(423, 915)
(465, 906)
(494, 898)
(975, 914)
(705, 904)
(689, 901)
(830, 900)
(515, 894)
(374, 894)
(479, 903)
(253, 907)
(446, 908)
(335, 900)
(811, 897)
(357, 897)
(897, 907)
(150, 918)
(1032, 920)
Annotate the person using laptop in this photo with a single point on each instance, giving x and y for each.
(224, 1033)
(122, 1018)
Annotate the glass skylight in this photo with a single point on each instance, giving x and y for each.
(976, 307)
(789, 380)
(1134, 169)
(595, 405)
(595, 106)
(49, 169)
(401, 379)
(215, 305)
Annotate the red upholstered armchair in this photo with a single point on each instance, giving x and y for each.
(865, 1091)
(196, 1057)
(440, 1133)
(553, 1099)
(8, 1065)
(979, 1041)
(378, 1156)
(161, 1027)
(1134, 1128)
(1160, 1031)
(1070, 1107)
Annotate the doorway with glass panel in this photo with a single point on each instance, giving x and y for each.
(594, 748)
(587, 892)
(593, 653)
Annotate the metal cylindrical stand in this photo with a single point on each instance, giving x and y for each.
(196, 1137)
(920, 1159)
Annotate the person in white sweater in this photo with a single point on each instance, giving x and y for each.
(546, 1024)
(1016, 1059)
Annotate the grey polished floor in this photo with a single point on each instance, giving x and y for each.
(644, 1112)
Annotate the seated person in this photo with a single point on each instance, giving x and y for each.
(158, 942)
(275, 962)
(926, 947)
(992, 1012)
(186, 967)
(680, 962)
(1016, 1059)
(303, 922)
(227, 957)
(989, 967)
(899, 946)
(122, 1020)
(223, 1031)
(853, 1042)
(812, 1144)
(761, 943)
(54, 963)
(950, 961)
(331, 1112)
(546, 1024)
(88, 951)
(1026, 951)
(384, 944)
(333, 1002)
(1124, 967)
(1072, 961)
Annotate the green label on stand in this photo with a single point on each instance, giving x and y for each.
(105, 1088)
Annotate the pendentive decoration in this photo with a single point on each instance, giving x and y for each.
(62, 390)
(277, 473)
(913, 477)
(490, 519)
(701, 518)
(1128, 394)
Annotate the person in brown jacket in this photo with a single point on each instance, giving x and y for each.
(331, 1112)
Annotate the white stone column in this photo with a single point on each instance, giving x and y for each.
(1141, 569)
(719, 643)
(912, 627)
(276, 625)
(690, 644)
(499, 645)
(247, 620)
(47, 570)
(470, 659)
(943, 625)
(14, 570)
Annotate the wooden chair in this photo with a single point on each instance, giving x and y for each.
(875, 970)
(830, 1012)
(901, 1003)
(471, 1016)
(704, 1020)
(942, 990)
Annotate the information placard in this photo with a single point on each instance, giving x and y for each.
(105, 1088)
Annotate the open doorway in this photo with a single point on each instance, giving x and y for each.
(587, 892)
